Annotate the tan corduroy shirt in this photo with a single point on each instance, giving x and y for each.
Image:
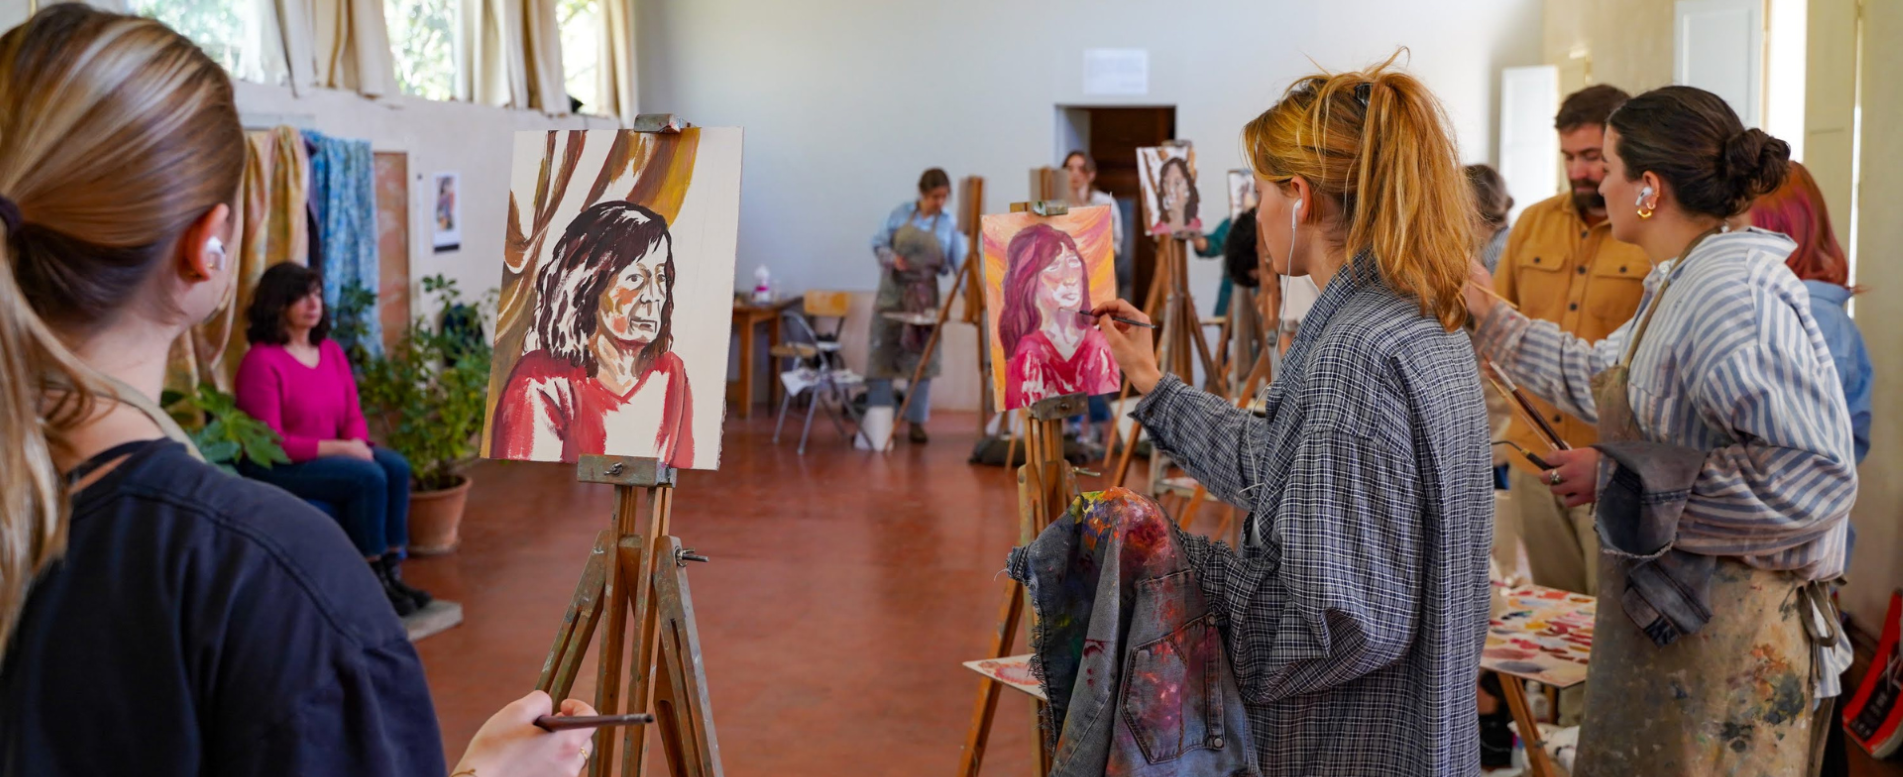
(1558, 269)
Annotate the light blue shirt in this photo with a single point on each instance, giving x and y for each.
(1846, 350)
(943, 226)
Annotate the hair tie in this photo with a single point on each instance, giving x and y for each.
(10, 214)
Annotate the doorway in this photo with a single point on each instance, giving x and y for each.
(1112, 136)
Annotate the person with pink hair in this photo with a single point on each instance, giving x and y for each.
(1053, 348)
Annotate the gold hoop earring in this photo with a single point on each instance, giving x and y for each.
(1645, 213)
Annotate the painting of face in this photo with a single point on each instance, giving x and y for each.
(1042, 276)
(618, 269)
(1168, 183)
(631, 307)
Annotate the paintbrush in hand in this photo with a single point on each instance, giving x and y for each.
(564, 722)
(1118, 319)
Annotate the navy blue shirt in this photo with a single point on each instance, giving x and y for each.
(201, 624)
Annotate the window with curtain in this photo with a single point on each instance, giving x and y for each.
(580, 23)
(422, 41)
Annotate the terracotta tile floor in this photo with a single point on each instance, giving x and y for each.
(844, 592)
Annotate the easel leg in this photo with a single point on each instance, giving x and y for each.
(988, 689)
(614, 645)
(1538, 764)
(681, 704)
(578, 623)
(640, 681)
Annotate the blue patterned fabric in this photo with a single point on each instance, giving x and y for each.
(344, 188)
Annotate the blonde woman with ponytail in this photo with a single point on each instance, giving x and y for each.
(1354, 612)
(157, 616)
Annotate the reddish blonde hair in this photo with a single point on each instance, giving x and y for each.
(1797, 209)
(1377, 143)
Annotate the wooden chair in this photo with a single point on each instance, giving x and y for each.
(813, 356)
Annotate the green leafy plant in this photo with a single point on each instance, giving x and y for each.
(427, 395)
(224, 434)
(350, 321)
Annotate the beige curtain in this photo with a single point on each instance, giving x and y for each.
(352, 45)
(618, 83)
(514, 55)
(272, 226)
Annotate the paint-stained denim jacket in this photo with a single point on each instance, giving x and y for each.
(1126, 649)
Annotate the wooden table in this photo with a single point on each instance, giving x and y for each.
(747, 317)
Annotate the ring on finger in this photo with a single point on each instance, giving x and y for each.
(1552, 478)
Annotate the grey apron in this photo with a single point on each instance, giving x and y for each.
(1733, 698)
(896, 346)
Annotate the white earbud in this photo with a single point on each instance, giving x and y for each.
(1643, 193)
(216, 248)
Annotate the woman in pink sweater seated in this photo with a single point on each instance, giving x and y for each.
(300, 384)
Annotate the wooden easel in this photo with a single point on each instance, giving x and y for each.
(1046, 484)
(1180, 339)
(637, 574)
(972, 282)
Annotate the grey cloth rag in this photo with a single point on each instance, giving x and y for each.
(1667, 590)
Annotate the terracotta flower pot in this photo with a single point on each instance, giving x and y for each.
(436, 519)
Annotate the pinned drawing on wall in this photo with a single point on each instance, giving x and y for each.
(1242, 194)
(1167, 177)
(1039, 273)
(616, 288)
(447, 214)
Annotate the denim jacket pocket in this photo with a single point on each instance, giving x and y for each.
(1172, 693)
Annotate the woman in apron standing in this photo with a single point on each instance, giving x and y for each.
(919, 243)
(1712, 646)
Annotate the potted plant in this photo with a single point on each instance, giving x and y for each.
(426, 397)
(222, 433)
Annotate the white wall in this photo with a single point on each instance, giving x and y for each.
(475, 140)
(846, 101)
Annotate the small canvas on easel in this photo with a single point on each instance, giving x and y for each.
(1545, 634)
(1167, 177)
(618, 273)
(1241, 193)
(1042, 277)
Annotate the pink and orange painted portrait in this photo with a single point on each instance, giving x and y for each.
(1042, 277)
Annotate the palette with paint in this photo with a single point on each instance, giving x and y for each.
(1544, 635)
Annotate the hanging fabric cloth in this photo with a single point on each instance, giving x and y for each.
(344, 188)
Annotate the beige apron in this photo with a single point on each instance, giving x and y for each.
(1734, 698)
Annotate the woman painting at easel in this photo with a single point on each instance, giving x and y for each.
(1354, 613)
(1724, 375)
(157, 616)
(919, 243)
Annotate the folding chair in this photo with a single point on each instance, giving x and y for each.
(813, 359)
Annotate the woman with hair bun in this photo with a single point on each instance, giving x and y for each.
(1727, 471)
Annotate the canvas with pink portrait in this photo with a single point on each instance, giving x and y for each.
(1042, 277)
(1167, 179)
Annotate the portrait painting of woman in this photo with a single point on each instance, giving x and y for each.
(614, 301)
(1168, 182)
(1042, 277)
(600, 354)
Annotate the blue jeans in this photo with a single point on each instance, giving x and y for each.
(372, 498)
(879, 394)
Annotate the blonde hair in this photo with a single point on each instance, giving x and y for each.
(116, 135)
(1376, 143)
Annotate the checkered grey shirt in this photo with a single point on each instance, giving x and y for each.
(1356, 610)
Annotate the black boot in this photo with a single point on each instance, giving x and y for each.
(393, 570)
(400, 601)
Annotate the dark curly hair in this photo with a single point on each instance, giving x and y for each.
(279, 288)
(1239, 257)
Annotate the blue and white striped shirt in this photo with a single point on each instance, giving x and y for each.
(1733, 364)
